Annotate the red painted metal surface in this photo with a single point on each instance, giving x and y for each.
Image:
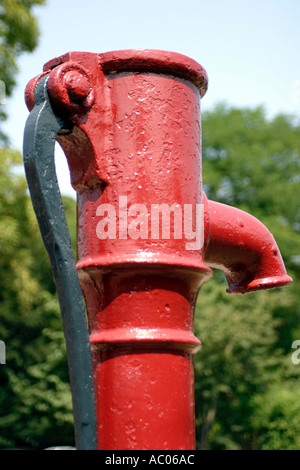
(136, 144)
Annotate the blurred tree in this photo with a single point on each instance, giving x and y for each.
(18, 34)
(35, 397)
(35, 400)
(252, 163)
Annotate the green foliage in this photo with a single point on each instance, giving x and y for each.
(246, 385)
(19, 34)
(253, 162)
(35, 398)
(277, 417)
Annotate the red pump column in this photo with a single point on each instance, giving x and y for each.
(144, 229)
(141, 291)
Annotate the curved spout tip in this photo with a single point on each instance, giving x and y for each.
(272, 282)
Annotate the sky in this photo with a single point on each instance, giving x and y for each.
(250, 49)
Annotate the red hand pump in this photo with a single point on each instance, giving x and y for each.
(147, 235)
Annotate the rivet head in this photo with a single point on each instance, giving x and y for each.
(71, 89)
(78, 86)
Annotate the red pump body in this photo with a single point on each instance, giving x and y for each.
(147, 236)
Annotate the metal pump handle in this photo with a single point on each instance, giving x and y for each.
(41, 130)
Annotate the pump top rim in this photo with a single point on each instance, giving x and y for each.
(147, 60)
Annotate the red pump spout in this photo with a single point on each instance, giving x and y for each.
(243, 248)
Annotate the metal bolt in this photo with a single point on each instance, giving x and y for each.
(78, 86)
